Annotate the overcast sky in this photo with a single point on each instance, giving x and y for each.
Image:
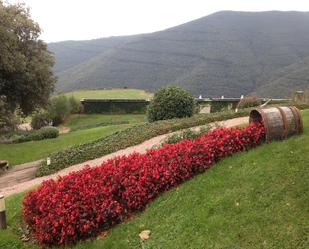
(89, 19)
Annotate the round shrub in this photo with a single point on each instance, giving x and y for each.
(48, 132)
(170, 102)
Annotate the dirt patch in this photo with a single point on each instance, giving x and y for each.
(25, 127)
(63, 129)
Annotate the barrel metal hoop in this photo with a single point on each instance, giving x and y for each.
(285, 122)
(296, 118)
(266, 125)
(300, 121)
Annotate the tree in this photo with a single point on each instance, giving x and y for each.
(171, 102)
(26, 77)
(8, 120)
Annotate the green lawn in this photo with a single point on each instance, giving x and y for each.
(111, 94)
(256, 199)
(81, 120)
(34, 150)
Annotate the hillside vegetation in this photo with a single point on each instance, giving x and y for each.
(226, 53)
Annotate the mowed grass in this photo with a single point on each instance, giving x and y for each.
(81, 120)
(35, 150)
(117, 93)
(255, 199)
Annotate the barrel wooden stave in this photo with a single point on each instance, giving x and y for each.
(279, 122)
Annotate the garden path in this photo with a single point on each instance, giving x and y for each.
(21, 180)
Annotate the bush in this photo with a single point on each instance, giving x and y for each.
(75, 105)
(59, 109)
(41, 119)
(10, 136)
(46, 132)
(81, 204)
(43, 133)
(126, 138)
(170, 102)
(249, 101)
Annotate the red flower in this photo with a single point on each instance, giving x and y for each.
(81, 204)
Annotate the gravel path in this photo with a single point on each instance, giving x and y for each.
(141, 148)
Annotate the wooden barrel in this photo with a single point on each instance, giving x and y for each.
(279, 122)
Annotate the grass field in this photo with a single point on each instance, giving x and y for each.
(35, 150)
(81, 120)
(111, 94)
(255, 199)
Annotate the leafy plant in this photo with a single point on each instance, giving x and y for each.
(81, 204)
(59, 109)
(41, 119)
(126, 138)
(75, 105)
(171, 102)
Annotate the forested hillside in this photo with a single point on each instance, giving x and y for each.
(226, 53)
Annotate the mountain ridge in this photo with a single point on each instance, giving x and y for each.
(226, 53)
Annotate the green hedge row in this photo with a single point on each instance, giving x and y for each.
(41, 134)
(115, 106)
(20, 136)
(126, 138)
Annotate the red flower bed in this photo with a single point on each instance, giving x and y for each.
(81, 204)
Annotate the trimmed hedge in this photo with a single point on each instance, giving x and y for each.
(82, 204)
(43, 133)
(120, 106)
(126, 138)
(20, 136)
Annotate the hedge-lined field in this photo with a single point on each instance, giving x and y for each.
(82, 121)
(35, 150)
(126, 138)
(255, 199)
(115, 93)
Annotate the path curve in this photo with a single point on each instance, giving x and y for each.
(140, 148)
